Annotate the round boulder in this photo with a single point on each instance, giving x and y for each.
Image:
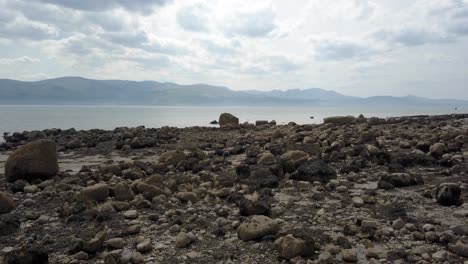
(227, 119)
(37, 159)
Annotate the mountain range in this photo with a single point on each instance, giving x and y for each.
(82, 91)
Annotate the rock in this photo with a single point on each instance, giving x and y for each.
(214, 122)
(226, 119)
(187, 197)
(95, 244)
(448, 194)
(349, 255)
(37, 159)
(339, 120)
(81, 255)
(149, 190)
(277, 134)
(144, 246)
(115, 243)
(248, 207)
(290, 247)
(29, 255)
(440, 255)
(137, 258)
(314, 170)
(74, 144)
(131, 214)
(460, 249)
(257, 227)
(438, 149)
(358, 201)
(292, 159)
(122, 192)
(183, 240)
(266, 159)
(9, 224)
(326, 258)
(400, 180)
(172, 157)
(398, 224)
(6, 203)
(261, 122)
(98, 192)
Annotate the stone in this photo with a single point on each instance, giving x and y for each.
(227, 119)
(97, 192)
(349, 255)
(74, 144)
(438, 149)
(35, 160)
(448, 194)
(81, 255)
(187, 197)
(27, 255)
(398, 224)
(7, 203)
(314, 170)
(266, 158)
(261, 122)
(257, 227)
(326, 258)
(95, 244)
(339, 120)
(183, 240)
(358, 201)
(116, 243)
(248, 207)
(131, 214)
(440, 255)
(290, 247)
(144, 246)
(172, 157)
(460, 249)
(137, 258)
(9, 224)
(292, 159)
(400, 180)
(122, 192)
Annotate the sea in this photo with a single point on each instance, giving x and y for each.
(18, 118)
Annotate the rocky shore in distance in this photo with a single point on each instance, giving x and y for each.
(350, 190)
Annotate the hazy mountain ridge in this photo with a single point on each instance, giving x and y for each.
(78, 90)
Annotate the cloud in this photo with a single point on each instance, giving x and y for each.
(251, 23)
(21, 28)
(145, 7)
(342, 9)
(194, 18)
(337, 48)
(412, 37)
(19, 60)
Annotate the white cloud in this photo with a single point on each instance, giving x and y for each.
(19, 60)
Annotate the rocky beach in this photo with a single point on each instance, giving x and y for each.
(350, 190)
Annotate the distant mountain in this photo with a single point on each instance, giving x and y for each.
(78, 90)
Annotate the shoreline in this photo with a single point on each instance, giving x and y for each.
(365, 190)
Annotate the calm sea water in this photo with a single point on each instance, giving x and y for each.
(15, 118)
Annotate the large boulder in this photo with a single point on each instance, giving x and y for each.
(37, 159)
(438, 149)
(257, 227)
(227, 119)
(6, 203)
(339, 120)
(314, 170)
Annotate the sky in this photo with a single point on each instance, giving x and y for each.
(355, 47)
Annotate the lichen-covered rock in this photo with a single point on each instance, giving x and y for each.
(172, 157)
(35, 160)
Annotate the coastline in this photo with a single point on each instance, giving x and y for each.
(350, 188)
